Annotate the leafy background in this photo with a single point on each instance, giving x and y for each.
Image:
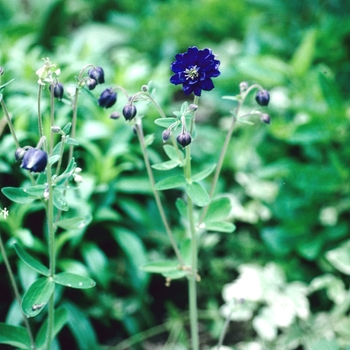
(289, 180)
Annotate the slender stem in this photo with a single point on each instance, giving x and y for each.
(9, 123)
(17, 294)
(221, 161)
(74, 122)
(40, 122)
(52, 118)
(140, 135)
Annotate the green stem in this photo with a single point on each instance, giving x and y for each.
(52, 118)
(9, 123)
(74, 122)
(140, 135)
(17, 294)
(40, 122)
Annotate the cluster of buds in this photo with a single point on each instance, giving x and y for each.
(96, 76)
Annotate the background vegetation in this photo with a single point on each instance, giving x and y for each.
(289, 180)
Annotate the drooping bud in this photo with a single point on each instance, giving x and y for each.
(97, 74)
(144, 88)
(166, 135)
(184, 139)
(262, 97)
(115, 115)
(57, 90)
(56, 129)
(2, 71)
(129, 112)
(192, 107)
(243, 86)
(34, 160)
(91, 84)
(265, 118)
(108, 98)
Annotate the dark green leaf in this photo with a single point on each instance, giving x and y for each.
(37, 296)
(74, 281)
(30, 261)
(15, 336)
(60, 319)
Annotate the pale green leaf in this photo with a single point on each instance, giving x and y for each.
(204, 173)
(220, 226)
(160, 266)
(197, 193)
(74, 223)
(165, 122)
(170, 164)
(170, 182)
(74, 281)
(17, 195)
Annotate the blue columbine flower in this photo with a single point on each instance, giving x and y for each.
(108, 98)
(194, 70)
(34, 160)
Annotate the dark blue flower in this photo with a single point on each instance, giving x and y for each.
(194, 70)
(129, 112)
(58, 90)
(34, 160)
(97, 74)
(184, 139)
(107, 98)
(262, 97)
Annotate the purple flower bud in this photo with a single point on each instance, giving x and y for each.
(115, 115)
(166, 135)
(265, 118)
(34, 160)
(129, 111)
(91, 84)
(57, 90)
(184, 139)
(262, 97)
(97, 74)
(108, 98)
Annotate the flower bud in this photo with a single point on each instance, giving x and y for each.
(115, 115)
(91, 84)
(108, 98)
(262, 97)
(243, 86)
(97, 74)
(2, 71)
(144, 88)
(56, 129)
(34, 160)
(192, 107)
(184, 139)
(265, 118)
(129, 111)
(166, 135)
(19, 154)
(57, 90)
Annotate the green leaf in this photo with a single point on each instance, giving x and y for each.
(66, 128)
(71, 141)
(37, 296)
(174, 275)
(60, 319)
(181, 207)
(59, 200)
(170, 182)
(165, 122)
(74, 223)
(17, 195)
(304, 54)
(170, 164)
(15, 336)
(160, 266)
(30, 261)
(219, 209)
(54, 159)
(36, 191)
(74, 281)
(204, 173)
(340, 257)
(220, 226)
(173, 153)
(197, 193)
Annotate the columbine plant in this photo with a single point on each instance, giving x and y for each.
(201, 210)
(51, 177)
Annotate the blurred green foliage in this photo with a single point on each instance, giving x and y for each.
(289, 181)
